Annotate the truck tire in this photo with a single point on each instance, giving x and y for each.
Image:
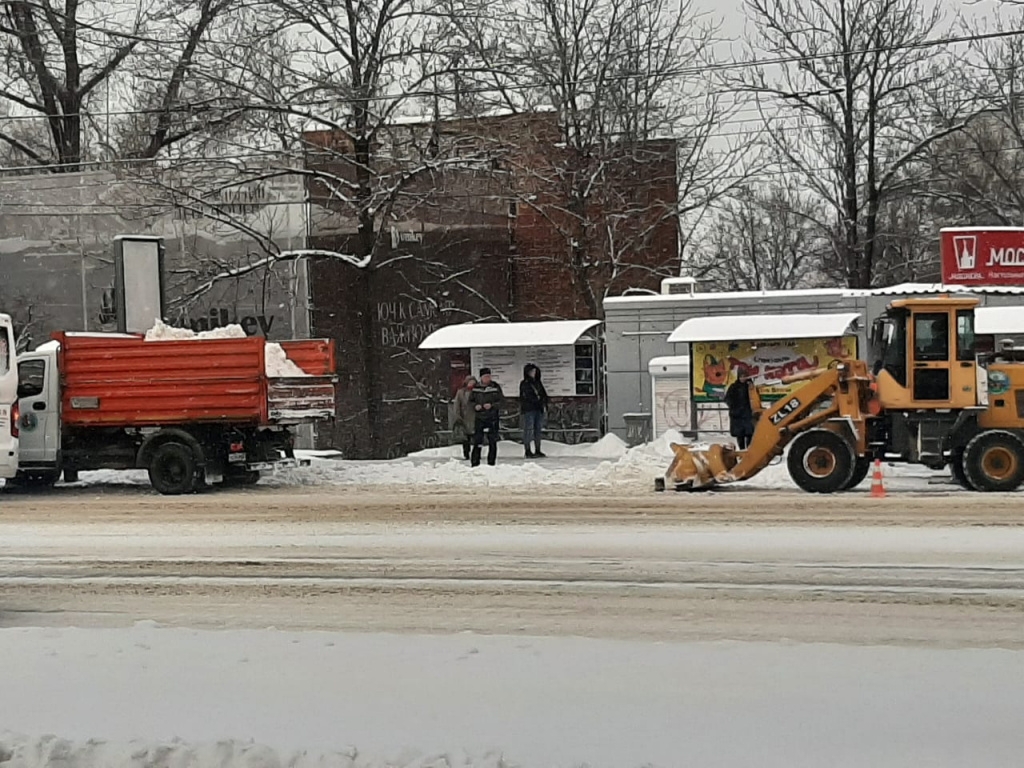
(821, 461)
(956, 469)
(994, 461)
(861, 468)
(172, 469)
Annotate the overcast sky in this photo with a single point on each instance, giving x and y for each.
(731, 13)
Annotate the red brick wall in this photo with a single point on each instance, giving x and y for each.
(476, 260)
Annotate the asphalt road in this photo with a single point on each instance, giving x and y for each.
(925, 569)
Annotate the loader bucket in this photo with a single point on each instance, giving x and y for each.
(696, 467)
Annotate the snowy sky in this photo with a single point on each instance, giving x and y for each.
(732, 15)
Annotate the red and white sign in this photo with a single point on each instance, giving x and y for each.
(982, 255)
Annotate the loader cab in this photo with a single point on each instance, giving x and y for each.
(925, 355)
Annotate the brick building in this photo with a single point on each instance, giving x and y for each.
(485, 227)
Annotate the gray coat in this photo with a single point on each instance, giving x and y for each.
(464, 421)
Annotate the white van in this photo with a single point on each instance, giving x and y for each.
(9, 416)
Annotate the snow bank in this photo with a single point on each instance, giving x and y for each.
(54, 752)
(277, 363)
(451, 472)
(603, 464)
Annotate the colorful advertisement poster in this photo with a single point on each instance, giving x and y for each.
(717, 364)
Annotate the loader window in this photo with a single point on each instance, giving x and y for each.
(894, 349)
(931, 337)
(965, 335)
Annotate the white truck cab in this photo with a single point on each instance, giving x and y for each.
(9, 416)
(39, 402)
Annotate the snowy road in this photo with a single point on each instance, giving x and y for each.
(552, 626)
(913, 570)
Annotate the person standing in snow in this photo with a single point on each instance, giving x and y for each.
(533, 401)
(486, 399)
(464, 420)
(741, 413)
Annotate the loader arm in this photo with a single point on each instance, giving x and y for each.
(826, 394)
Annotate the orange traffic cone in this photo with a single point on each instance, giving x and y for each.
(877, 482)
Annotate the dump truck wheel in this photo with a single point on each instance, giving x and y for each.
(860, 470)
(820, 461)
(994, 461)
(956, 468)
(172, 469)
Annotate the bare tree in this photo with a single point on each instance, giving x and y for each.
(75, 62)
(977, 174)
(28, 313)
(339, 105)
(764, 238)
(618, 76)
(842, 108)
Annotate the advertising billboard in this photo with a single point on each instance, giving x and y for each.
(716, 365)
(982, 255)
(557, 365)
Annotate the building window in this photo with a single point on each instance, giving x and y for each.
(586, 366)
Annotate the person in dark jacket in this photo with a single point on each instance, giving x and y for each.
(486, 399)
(741, 414)
(533, 402)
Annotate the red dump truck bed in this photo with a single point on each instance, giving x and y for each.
(123, 380)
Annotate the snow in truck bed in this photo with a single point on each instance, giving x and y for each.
(277, 363)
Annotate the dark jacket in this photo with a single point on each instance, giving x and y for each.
(481, 396)
(741, 414)
(532, 395)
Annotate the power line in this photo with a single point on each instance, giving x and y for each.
(540, 85)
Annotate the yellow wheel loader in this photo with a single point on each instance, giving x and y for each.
(938, 396)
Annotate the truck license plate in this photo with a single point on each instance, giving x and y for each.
(236, 458)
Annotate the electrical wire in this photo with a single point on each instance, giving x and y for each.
(540, 85)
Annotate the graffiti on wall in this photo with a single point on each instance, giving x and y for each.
(407, 323)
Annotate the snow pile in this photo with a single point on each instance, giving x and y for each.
(53, 752)
(642, 462)
(276, 361)
(608, 447)
(450, 473)
(163, 332)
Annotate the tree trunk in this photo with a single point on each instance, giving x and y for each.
(366, 242)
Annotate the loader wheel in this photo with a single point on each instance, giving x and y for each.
(994, 461)
(860, 470)
(172, 469)
(820, 461)
(956, 468)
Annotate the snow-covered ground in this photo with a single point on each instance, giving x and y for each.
(606, 464)
(327, 699)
